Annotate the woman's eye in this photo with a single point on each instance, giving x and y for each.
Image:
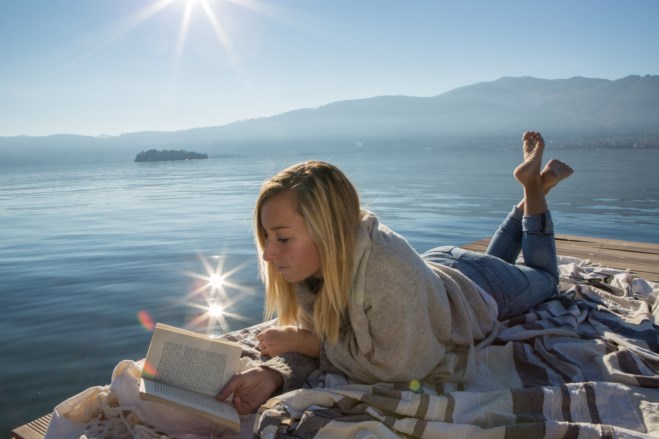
(283, 240)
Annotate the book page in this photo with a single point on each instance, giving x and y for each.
(190, 360)
(189, 398)
(203, 405)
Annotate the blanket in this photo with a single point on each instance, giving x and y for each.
(584, 364)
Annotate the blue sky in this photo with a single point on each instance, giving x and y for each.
(97, 67)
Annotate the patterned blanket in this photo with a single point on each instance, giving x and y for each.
(585, 364)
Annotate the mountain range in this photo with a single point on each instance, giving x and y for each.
(574, 108)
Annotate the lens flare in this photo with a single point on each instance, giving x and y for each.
(146, 320)
(149, 370)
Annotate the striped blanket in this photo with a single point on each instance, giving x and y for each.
(585, 364)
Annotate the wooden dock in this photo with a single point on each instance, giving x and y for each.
(639, 258)
(33, 430)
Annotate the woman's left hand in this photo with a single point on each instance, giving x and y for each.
(251, 388)
(281, 339)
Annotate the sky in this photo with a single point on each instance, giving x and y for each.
(107, 67)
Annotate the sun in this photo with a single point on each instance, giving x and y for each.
(190, 4)
(216, 13)
(219, 30)
(212, 10)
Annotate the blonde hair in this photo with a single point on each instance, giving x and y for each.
(329, 204)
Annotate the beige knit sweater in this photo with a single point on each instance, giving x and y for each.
(407, 318)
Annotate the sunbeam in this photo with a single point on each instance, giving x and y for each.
(182, 33)
(127, 24)
(220, 33)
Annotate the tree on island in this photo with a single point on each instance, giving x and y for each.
(154, 155)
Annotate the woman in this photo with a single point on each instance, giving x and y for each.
(354, 295)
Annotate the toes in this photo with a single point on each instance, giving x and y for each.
(534, 136)
(539, 140)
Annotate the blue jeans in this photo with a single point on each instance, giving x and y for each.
(515, 288)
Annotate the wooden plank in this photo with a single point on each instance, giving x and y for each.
(613, 243)
(622, 257)
(611, 252)
(33, 430)
(641, 258)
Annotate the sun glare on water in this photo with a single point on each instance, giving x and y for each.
(215, 310)
(214, 295)
(216, 280)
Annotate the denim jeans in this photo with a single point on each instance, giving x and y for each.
(516, 288)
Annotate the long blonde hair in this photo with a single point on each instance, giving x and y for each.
(329, 204)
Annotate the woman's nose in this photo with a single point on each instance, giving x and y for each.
(269, 251)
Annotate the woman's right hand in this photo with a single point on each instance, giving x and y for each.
(281, 339)
(251, 388)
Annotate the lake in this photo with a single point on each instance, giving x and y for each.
(92, 253)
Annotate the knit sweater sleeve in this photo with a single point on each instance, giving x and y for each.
(293, 367)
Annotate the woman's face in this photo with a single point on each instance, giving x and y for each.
(288, 243)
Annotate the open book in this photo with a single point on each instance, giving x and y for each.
(186, 369)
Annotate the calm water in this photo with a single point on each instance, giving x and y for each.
(86, 249)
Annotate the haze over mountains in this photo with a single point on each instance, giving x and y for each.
(571, 109)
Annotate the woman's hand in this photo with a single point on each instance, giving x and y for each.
(281, 339)
(251, 388)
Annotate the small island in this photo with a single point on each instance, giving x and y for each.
(154, 155)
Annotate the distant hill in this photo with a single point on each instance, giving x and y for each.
(581, 108)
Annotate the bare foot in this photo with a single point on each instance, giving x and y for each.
(553, 173)
(528, 173)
